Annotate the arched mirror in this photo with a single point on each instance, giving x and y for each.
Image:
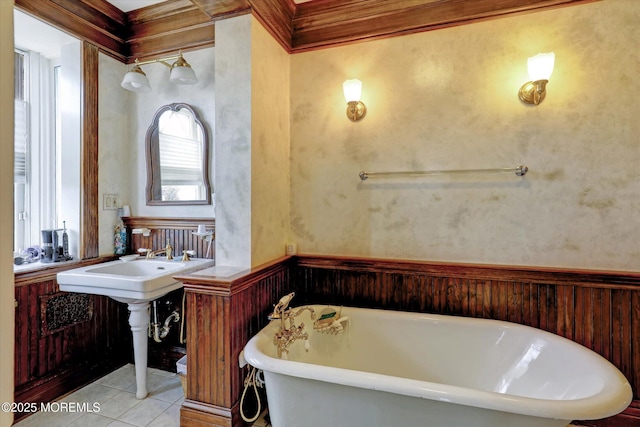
(177, 158)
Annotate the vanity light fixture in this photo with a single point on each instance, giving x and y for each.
(356, 110)
(540, 69)
(180, 73)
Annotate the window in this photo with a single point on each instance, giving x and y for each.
(180, 146)
(34, 148)
(21, 143)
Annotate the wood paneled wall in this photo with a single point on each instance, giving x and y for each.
(51, 363)
(222, 314)
(179, 231)
(600, 310)
(89, 242)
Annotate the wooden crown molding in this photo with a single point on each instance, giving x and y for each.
(94, 21)
(164, 28)
(327, 23)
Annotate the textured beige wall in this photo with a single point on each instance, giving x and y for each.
(447, 99)
(6, 209)
(252, 144)
(233, 141)
(115, 147)
(269, 146)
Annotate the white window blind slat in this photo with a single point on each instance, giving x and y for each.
(180, 160)
(21, 141)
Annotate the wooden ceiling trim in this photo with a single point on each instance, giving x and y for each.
(165, 45)
(333, 22)
(108, 9)
(223, 9)
(106, 19)
(168, 25)
(163, 29)
(277, 17)
(189, 24)
(159, 11)
(82, 20)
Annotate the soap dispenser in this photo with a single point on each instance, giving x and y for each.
(120, 236)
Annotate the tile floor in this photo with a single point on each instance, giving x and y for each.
(118, 406)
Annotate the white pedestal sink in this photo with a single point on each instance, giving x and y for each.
(137, 283)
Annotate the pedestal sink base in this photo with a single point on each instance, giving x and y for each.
(135, 283)
(139, 322)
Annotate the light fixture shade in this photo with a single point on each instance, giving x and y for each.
(541, 66)
(352, 90)
(183, 75)
(136, 81)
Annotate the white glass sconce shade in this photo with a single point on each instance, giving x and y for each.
(352, 89)
(183, 75)
(541, 66)
(136, 80)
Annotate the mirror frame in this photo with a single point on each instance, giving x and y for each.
(153, 158)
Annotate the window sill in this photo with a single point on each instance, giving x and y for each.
(38, 265)
(39, 271)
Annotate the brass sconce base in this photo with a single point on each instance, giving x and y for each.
(356, 110)
(533, 93)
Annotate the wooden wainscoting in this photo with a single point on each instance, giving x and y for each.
(179, 231)
(64, 341)
(223, 313)
(600, 310)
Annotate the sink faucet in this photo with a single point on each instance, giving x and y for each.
(289, 332)
(167, 250)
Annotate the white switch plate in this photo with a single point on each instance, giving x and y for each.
(291, 249)
(110, 201)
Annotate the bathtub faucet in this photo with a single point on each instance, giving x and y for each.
(289, 332)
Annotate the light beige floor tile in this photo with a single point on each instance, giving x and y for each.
(122, 378)
(92, 393)
(50, 419)
(144, 412)
(118, 407)
(92, 420)
(169, 418)
(118, 404)
(118, 423)
(160, 372)
(169, 390)
(30, 421)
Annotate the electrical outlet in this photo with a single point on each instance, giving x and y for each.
(291, 249)
(110, 201)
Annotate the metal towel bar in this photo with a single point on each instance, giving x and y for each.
(518, 170)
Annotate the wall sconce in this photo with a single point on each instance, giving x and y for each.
(180, 73)
(356, 110)
(540, 69)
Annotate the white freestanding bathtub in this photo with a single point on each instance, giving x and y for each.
(392, 368)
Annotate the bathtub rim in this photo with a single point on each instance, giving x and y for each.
(614, 396)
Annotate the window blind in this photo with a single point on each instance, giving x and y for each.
(180, 160)
(21, 140)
